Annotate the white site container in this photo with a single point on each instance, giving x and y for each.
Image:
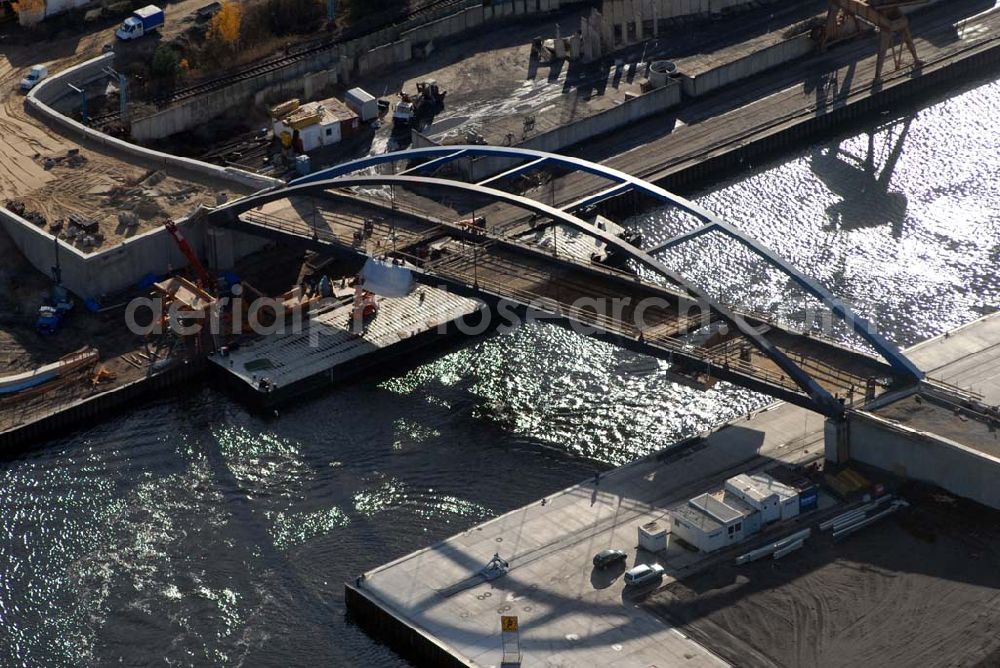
(362, 103)
(756, 496)
(653, 536)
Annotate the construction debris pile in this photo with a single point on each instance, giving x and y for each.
(73, 158)
(90, 210)
(18, 208)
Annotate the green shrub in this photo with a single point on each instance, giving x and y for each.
(166, 62)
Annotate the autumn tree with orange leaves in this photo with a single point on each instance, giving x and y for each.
(226, 24)
(30, 12)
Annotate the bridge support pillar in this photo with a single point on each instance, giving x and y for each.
(219, 248)
(836, 440)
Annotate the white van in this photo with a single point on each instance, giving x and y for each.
(37, 73)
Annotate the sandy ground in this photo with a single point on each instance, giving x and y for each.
(94, 188)
(920, 588)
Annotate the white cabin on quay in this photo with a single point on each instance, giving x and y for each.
(775, 500)
(708, 523)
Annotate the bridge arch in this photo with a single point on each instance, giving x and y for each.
(622, 182)
(346, 176)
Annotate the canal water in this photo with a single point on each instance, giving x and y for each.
(191, 532)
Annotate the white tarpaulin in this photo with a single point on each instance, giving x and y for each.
(385, 279)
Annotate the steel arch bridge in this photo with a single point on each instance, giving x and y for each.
(805, 379)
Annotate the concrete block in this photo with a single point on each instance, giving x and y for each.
(575, 47)
(924, 456)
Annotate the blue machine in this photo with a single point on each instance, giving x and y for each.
(808, 499)
(303, 165)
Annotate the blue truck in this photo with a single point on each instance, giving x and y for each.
(141, 22)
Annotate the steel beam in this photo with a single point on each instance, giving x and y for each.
(435, 163)
(515, 171)
(823, 401)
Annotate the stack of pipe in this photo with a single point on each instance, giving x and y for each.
(849, 522)
(784, 546)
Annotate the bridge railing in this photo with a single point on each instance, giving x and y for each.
(451, 267)
(455, 267)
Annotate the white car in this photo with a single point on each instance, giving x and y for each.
(643, 574)
(37, 73)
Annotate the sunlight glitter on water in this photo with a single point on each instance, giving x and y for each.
(191, 531)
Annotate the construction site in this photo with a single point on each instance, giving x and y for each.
(348, 195)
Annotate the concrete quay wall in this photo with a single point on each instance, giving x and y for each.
(740, 151)
(404, 638)
(96, 407)
(754, 63)
(43, 96)
(923, 456)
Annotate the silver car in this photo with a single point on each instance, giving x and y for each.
(643, 574)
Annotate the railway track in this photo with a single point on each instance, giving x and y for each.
(428, 11)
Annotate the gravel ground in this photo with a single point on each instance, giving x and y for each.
(920, 588)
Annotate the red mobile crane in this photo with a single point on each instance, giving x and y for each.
(204, 278)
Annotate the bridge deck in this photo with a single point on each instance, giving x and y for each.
(658, 319)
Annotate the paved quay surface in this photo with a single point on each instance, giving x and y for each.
(774, 100)
(570, 616)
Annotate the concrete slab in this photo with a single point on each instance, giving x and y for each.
(326, 341)
(945, 419)
(967, 357)
(571, 615)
